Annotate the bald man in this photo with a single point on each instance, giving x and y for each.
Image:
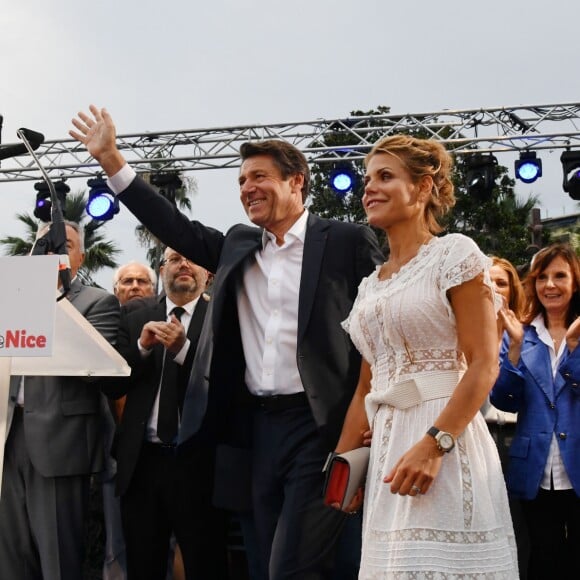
(134, 280)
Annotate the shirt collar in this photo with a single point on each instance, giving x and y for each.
(540, 326)
(189, 307)
(297, 231)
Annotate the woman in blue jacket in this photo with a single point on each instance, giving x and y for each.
(539, 379)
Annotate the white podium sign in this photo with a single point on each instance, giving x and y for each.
(27, 314)
(28, 305)
(41, 336)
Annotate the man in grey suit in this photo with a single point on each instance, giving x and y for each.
(273, 369)
(54, 443)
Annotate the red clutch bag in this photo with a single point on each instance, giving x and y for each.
(345, 474)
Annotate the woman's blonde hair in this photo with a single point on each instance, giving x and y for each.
(423, 157)
(517, 301)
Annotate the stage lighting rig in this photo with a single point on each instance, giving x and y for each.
(480, 175)
(528, 167)
(43, 205)
(343, 178)
(571, 167)
(102, 204)
(168, 183)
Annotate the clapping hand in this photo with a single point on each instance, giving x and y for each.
(573, 334)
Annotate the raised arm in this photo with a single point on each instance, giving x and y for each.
(97, 132)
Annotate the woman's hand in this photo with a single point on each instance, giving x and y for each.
(573, 335)
(512, 325)
(416, 470)
(515, 331)
(367, 438)
(355, 503)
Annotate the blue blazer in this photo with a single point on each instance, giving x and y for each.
(545, 406)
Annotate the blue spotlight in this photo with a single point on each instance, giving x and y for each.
(342, 179)
(528, 168)
(102, 204)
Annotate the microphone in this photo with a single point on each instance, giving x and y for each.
(34, 138)
(55, 239)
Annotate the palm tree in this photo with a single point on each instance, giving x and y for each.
(180, 194)
(99, 252)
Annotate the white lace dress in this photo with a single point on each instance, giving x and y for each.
(405, 328)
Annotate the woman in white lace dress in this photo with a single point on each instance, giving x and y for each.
(435, 504)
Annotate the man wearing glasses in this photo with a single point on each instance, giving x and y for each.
(134, 280)
(163, 491)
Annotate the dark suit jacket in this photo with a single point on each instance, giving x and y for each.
(62, 415)
(141, 387)
(337, 255)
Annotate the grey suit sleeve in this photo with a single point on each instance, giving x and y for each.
(103, 314)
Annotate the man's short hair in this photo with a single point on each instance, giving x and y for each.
(150, 272)
(80, 230)
(287, 158)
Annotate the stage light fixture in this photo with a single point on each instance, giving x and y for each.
(168, 183)
(43, 204)
(102, 204)
(571, 167)
(343, 178)
(480, 175)
(528, 167)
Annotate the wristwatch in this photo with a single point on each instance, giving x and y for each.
(445, 441)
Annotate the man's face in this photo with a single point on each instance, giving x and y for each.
(269, 200)
(133, 282)
(73, 246)
(180, 275)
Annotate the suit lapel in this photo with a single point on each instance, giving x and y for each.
(314, 245)
(241, 248)
(536, 357)
(196, 322)
(75, 289)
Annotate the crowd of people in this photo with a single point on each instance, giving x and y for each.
(273, 345)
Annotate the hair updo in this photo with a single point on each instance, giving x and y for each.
(423, 157)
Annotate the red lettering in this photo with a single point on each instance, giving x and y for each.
(19, 339)
(12, 338)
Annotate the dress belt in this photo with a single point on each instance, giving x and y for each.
(423, 387)
(280, 402)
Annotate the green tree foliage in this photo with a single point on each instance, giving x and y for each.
(99, 252)
(499, 225)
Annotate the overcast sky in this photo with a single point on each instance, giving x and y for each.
(184, 64)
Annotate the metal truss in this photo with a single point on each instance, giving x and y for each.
(497, 130)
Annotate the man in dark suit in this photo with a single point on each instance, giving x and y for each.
(162, 491)
(54, 444)
(132, 280)
(273, 359)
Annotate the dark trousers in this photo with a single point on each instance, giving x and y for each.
(553, 519)
(42, 519)
(168, 493)
(296, 533)
(503, 434)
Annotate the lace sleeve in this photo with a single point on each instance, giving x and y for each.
(462, 261)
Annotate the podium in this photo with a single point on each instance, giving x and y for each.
(40, 336)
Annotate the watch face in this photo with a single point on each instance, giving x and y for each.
(446, 441)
